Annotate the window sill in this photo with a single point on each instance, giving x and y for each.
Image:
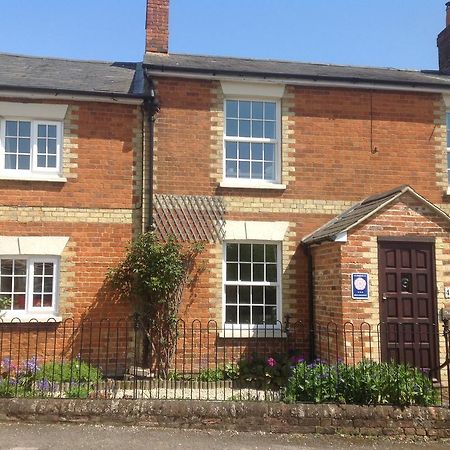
(47, 178)
(7, 317)
(268, 333)
(252, 185)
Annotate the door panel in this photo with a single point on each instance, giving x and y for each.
(407, 303)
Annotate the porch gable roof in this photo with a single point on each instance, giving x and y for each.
(362, 211)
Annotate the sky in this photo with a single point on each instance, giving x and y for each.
(382, 33)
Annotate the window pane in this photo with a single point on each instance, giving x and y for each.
(245, 272)
(269, 152)
(244, 170)
(232, 272)
(5, 284)
(271, 272)
(244, 295)
(244, 150)
(231, 150)
(25, 129)
(51, 146)
(244, 128)
(257, 170)
(42, 146)
(19, 301)
(232, 127)
(232, 108)
(270, 111)
(48, 301)
(271, 253)
(11, 128)
(23, 162)
(271, 315)
(7, 299)
(42, 131)
(41, 161)
(258, 252)
(258, 315)
(51, 161)
(24, 145)
(269, 171)
(11, 145)
(244, 314)
(245, 252)
(257, 110)
(37, 284)
(20, 267)
(10, 162)
(20, 284)
(271, 295)
(257, 152)
(232, 252)
(257, 294)
(231, 169)
(231, 314)
(231, 294)
(6, 267)
(269, 130)
(52, 131)
(258, 272)
(244, 110)
(257, 128)
(48, 285)
(37, 300)
(38, 268)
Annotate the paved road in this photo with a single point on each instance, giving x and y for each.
(80, 437)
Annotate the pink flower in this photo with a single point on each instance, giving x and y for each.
(271, 362)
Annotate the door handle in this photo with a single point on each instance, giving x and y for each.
(384, 297)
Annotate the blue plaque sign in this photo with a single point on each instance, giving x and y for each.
(360, 286)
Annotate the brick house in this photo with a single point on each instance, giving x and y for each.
(70, 186)
(293, 150)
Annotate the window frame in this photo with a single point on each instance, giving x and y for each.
(256, 182)
(250, 326)
(34, 170)
(31, 310)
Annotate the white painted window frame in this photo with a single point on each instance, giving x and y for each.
(252, 182)
(35, 172)
(30, 311)
(238, 328)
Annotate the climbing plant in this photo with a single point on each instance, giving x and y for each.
(153, 276)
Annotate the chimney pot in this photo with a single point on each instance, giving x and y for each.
(157, 26)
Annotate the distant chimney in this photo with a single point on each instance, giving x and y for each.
(443, 43)
(157, 26)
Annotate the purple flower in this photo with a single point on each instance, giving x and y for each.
(271, 362)
(297, 359)
(31, 364)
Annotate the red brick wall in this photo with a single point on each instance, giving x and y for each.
(157, 26)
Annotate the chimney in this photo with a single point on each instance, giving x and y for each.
(157, 26)
(443, 43)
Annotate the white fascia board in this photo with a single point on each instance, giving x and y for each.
(254, 90)
(302, 82)
(33, 245)
(36, 110)
(341, 237)
(256, 231)
(70, 97)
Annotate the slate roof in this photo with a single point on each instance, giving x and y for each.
(361, 212)
(215, 65)
(67, 76)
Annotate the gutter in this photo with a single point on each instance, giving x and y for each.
(311, 305)
(300, 80)
(150, 108)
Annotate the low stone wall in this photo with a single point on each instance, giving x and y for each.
(433, 422)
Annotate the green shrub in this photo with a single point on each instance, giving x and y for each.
(75, 371)
(366, 383)
(265, 372)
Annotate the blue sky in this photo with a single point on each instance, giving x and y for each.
(386, 33)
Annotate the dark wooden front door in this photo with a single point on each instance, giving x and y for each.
(408, 331)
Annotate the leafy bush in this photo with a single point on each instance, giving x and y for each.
(27, 379)
(270, 372)
(366, 383)
(229, 372)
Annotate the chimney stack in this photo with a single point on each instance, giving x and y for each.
(157, 26)
(443, 43)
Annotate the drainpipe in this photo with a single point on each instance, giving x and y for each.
(149, 109)
(311, 306)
